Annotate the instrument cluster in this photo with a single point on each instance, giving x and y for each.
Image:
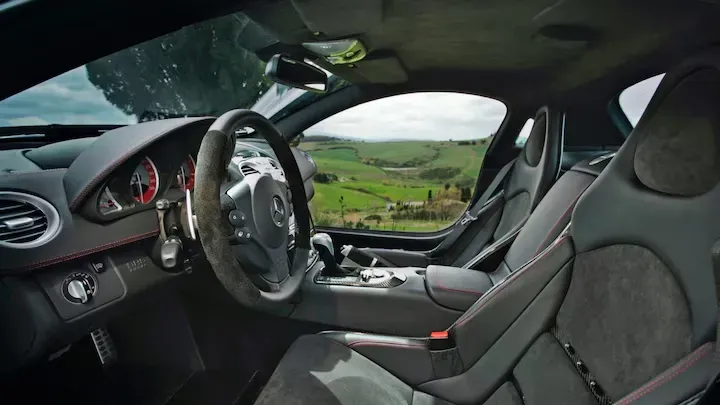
(142, 186)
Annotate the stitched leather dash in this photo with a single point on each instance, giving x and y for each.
(88, 251)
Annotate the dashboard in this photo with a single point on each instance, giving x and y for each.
(93, 225)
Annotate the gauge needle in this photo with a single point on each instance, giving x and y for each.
(138, 183)
(182, 172)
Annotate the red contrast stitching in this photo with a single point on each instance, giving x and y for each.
(113, 165)
(8, 174)
(388, 344)
(442, 287)
(517, 275)
(668, 375)
(568, 210)
(85, 252)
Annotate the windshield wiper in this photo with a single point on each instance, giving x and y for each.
(53, 132)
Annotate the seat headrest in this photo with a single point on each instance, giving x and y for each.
(678, 146)
(536, 140)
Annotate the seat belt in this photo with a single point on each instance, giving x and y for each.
(471, 214)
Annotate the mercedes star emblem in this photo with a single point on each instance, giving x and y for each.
(278, 211)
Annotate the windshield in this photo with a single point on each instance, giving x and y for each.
(197, 71)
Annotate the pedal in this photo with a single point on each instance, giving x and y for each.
(104, 346)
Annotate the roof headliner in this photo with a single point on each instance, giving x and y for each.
(551, 45)
(491, 47)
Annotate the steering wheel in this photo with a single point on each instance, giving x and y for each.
(243, 226)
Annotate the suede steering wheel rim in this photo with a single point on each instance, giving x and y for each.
(266, 205)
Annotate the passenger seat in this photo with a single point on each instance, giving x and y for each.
(494, 217)
(459, 289)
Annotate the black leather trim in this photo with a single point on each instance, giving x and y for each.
(681, 381)
(481, 325)
(77, 237)
(114, 147)
(455, 287)
(58, 155)
(491, 370)
(14, 161)
(406, 358)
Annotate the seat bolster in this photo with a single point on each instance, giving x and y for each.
(406, 358)
(678, 383)
(481, 325)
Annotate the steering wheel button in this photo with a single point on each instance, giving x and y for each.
(237, 218)
(242, 235)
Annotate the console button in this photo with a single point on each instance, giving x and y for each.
(98, 266)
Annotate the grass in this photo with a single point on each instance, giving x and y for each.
(368, 184)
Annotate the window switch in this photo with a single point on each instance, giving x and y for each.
(98, 266)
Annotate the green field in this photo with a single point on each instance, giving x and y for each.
(386, 185)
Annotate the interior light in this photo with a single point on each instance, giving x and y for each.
(338, 52)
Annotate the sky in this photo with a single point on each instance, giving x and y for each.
(71, 99)
(66, 99)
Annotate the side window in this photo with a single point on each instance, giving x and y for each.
(401, 163)
(635, 99)
(524, 133)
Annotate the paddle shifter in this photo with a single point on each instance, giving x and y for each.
(323, 243)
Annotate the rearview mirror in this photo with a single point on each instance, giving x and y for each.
(294, 73)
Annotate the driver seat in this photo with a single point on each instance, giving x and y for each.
(621, 308)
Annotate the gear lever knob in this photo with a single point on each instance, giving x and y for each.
(323, 243)
(320, 240)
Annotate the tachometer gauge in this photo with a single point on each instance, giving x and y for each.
(144, 181)
(185, 176)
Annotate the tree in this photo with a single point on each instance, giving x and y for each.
(198, 70)
(342, 209)
(465, 194)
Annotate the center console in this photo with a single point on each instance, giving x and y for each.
(398, 301)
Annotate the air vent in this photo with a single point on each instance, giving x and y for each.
(248, 170)
(26, 221)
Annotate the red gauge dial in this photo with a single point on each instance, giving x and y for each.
(144, 181)
(185, 176)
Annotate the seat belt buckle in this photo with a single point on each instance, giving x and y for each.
(441, 340)
(467, 218)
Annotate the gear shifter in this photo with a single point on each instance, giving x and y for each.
(323, 243)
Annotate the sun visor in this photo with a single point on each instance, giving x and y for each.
(336, 18)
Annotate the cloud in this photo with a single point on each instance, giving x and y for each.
(66, 99)
(431, 116)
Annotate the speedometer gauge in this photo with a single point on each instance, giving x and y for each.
(144, 181)
(185, 176)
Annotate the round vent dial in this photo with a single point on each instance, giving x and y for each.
(26, 221)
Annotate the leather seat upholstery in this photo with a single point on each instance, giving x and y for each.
(533, 172)
(459, 289)
(619, 309)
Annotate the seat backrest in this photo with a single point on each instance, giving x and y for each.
(552, 214)
(533, 172)
(627, 296)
